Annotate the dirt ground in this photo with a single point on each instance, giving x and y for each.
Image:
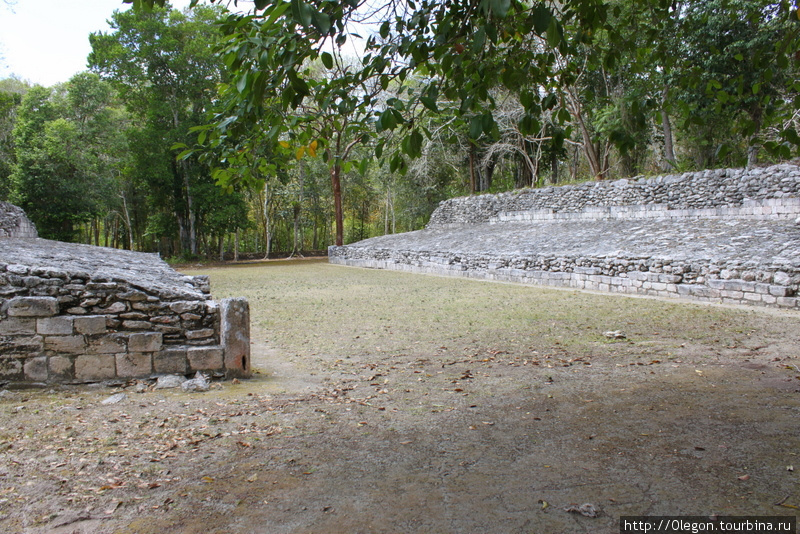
(390, 402)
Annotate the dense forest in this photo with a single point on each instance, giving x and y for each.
(308, 123)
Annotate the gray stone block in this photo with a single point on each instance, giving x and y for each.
(61, 367)
(65, 344)
(95, 367)
(235, 335)
(170, 360)
(204, 358)
(134, 364)
(32, 307)
(91, 324)
(145, 342)
(17, 326)
(36, 369)
(59, 325)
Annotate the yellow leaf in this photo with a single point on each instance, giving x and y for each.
(312, 149)
(284, 144)
(314, 144)
(300, 152)
(209, 480)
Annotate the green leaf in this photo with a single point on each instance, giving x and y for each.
(261, 4)
(384, 31)
(541, 19)
(756, 88)
(476, 127)
(327, 60)
(302, 13)
(554, 35)
(429, 103)
(500, 7)
(322, 22)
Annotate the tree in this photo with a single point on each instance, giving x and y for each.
(163, 66)
(60, 176)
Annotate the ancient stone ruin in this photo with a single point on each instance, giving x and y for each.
(79, 313)
(728, 236)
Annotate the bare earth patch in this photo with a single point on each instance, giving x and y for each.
(389, 402)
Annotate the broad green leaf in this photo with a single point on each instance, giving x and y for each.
(327, 60)
(475, 126)
(429, 103)
(541, 19)
(322, 22)
(500, 7)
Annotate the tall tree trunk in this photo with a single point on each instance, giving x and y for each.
(236, 246)
(267, 229)
(473, 182)
(666, 126)
(589, 148)
(336, 184)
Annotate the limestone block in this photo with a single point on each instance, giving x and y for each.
(60, 367)
(116, 307)
(170, 360)
(65, 344)
(184, 307)
(204, 358)
(32, 307)
(17, 325)
(60, 325)
(136, 325)
(235, 335)
(95, 367)
(11, 368)
(91, 324)
(108, 344)
(134, 364)
(200, 334)
(20, 345)
(36, 369)
(146, 342)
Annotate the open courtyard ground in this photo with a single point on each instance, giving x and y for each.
(391, 402)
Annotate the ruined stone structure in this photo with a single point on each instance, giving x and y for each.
(728, 236)
(79, 313)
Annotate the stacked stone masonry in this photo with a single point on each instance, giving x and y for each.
(728, 236)
(77, 313)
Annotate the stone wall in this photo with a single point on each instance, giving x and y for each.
(78, 313)
(727, 236)
(14, 222)
(769, 192)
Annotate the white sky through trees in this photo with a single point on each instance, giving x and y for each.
(47, 41)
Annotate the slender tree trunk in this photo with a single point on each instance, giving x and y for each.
(236, 246)
(589, 148)
(337, 203)
(473, 182)
(666, 126)
(128, 225)
(267, 229)
(221, 247)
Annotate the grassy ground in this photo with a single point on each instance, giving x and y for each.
(391, 402)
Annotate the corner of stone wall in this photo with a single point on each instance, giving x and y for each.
(235, 336)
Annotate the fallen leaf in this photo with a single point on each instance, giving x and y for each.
(544, 504)
(744, 477)
(208, 480)
(252, 478)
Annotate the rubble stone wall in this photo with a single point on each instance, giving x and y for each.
(727, 236)
(14, 222)
(77, 313)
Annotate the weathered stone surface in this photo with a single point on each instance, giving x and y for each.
(91, 324)
(170, 360)
(95, 367)
(14, 222)
(149, 342)
(32, 306)
(61, 367)
(76, 312)
(65, 344)
(17, 326)
(134, 364)
(652, 237)
(204, 358)
(36, 369)
(235, 335)
(60, 325)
